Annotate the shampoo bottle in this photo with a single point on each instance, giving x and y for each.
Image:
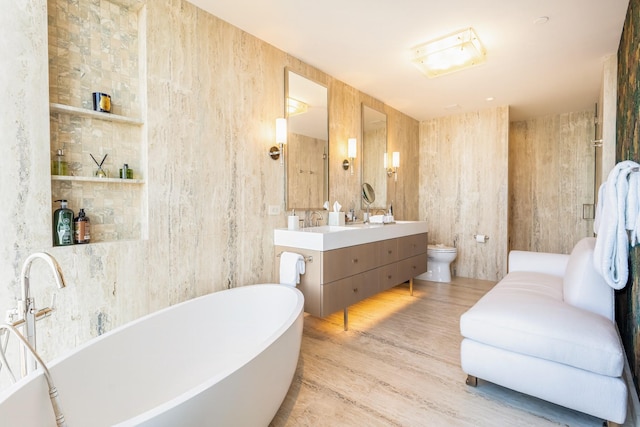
(62, 225)
(81, 227)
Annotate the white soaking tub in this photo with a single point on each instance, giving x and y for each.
(224, 359)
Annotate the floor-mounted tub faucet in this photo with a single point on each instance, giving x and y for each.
(26, 307)
(53, 391)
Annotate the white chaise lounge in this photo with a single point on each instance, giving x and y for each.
(547, 329)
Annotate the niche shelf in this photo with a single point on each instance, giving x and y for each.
(96, 180)
(83, 112)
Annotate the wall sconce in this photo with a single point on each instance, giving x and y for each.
(351, 153)
(281, 140)
(395, 164)
(450, 53)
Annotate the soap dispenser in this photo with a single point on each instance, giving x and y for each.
(63, 225)
(81, 227)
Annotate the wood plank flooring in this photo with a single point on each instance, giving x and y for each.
(399, 365)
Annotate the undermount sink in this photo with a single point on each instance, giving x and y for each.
(328, 237)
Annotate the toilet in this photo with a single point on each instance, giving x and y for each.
(439, 262)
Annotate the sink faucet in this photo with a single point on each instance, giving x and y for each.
(318, 216)
(53, 391)
(26, 307)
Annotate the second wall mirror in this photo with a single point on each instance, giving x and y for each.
(374, 150)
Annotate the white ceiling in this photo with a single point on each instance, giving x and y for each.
(536, 69)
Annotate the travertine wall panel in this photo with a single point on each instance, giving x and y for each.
(552, 167)
(464, 190)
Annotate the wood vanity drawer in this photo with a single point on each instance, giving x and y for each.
(409, 246)
(349, 261)
(388, 275)
(411, 267)
(345, 292)
(387, 251)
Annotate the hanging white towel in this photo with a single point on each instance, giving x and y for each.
(291, 267)
(617, 211)
(632, 213)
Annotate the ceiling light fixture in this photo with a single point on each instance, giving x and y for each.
(450, 53)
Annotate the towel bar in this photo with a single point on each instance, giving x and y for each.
(306, 258)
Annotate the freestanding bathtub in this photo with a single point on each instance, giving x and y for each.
(223, 359)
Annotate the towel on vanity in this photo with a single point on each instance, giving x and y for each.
(291, 267)
(376, 219)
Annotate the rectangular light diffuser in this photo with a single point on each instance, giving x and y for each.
(450, 53)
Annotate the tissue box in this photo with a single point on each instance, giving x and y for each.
(336, 218)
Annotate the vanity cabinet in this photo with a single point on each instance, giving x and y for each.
(337, 278)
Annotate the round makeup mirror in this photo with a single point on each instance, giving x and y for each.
(368, 197)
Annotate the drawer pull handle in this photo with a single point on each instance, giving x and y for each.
(389, 277)
(390, 252)
(355, 290)
(355, 260)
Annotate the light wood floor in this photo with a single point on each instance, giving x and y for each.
(399, 365)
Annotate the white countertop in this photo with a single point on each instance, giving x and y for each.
(328, 237)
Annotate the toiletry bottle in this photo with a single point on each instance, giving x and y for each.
(59, 165)
(81, 227)
(62, 225)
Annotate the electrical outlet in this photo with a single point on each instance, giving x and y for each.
(274, 210)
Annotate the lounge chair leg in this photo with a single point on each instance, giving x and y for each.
(611, 424)
(472, 381)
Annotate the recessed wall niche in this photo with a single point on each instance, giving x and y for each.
(96, 46)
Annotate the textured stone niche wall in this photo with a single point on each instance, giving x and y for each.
(94, 46)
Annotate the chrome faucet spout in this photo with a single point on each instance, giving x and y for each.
(53, 391)
(27, 306)
(26, 269)
(318, 217)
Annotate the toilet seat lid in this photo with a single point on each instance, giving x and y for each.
(441, 248)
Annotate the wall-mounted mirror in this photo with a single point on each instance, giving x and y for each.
(374, 148)
(307, 152)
